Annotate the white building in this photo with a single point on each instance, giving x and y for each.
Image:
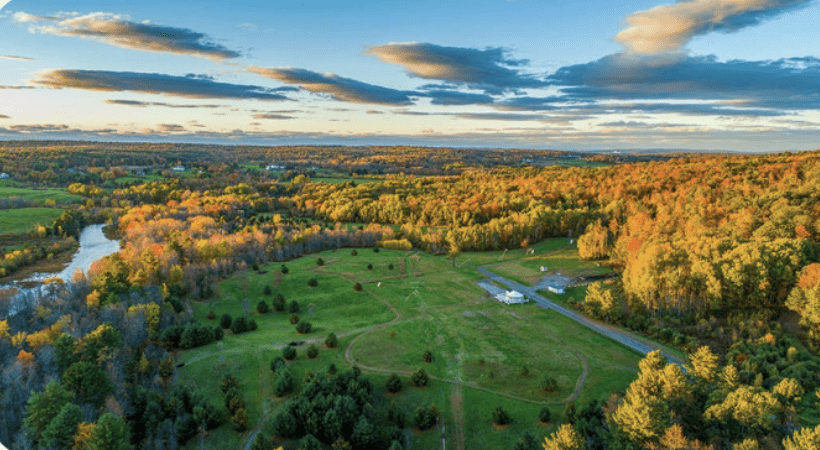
(511, 297)
(4, 176)
(555, 289)
(178, 169)
(274, 167)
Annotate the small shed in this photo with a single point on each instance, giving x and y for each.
(178, 169)
(4, 176)
(556, 289)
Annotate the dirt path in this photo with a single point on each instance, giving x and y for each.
(457, 408)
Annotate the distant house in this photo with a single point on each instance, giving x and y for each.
(511, 297)
(178, 169)
(556, 289)
(544, 268)
(274, 167)
(4, 176)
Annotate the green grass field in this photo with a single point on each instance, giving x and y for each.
(10, 189)
(22, 220)
(485, 354)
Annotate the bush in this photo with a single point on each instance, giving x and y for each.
(227, 382)
(284, 425)
(354, 252)
(331, 341)
(262, 307)
(219, 333)
(425, 418)
(285, 269)
(294, 319)
(196, 335)
(252, 324)
(225, 321)
(419, 378)
(240, 325)
(313, 282)
(427, 356)
(320, 262)
(309, 442)
(393, 384)
(370, 267)
(549, 384)
(544, 415)
(358, 287)
(211, 315)
(267, 290)
(390, 266)
(240, 420)
(500, 417)
(527, 442)
(312, 351)
(303, 327)
(277, 364)
(279, 302)
(289, 353)
(293, 308)
(375, 249)
(331, 369)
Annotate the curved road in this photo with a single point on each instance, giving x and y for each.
(598, 327)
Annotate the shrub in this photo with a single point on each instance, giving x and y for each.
(267, 290)
(358, 287)
(303, 327)
(293, 308)
(549, 384)
(284, 425)
(285, 269)
(289, 353)
(225, 321)
(425, 418)
(313, 282)
(277, 364)
(312, 351)
(427, 356)
(331, 341)
(500, 417)
(294, 319)
(196, 335)
(309, 442)
(527, 442)
(219, 333)
(279, 302)
(354, 252)
(419, 378)
(252, 324)
(370, 267)
(320, 262)
(240, 420)
(227, 383)
(524, 372)
(375, 249)
(390, 266)
(262, 307)
(331, 369)
(544, 415)
(393, 384)
(239, 325)
(211, 315)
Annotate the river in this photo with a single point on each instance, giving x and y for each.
(93, 246)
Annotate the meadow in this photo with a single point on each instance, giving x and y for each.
(23, 220)
(485, 354)
(11, 190)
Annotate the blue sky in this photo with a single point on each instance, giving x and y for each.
(738, 75)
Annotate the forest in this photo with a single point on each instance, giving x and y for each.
(714, 256)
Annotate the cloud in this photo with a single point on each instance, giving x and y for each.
(15, 87)
(153, 83)
(785, 84)
(338, 88)
(3, 116)
(170, 128)
(668, 28)
(490, 70)
(450, 98)
(16, 58)
(500, 116)
(140, 104)
(273, 116)
(117, 30)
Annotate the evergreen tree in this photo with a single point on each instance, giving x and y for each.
(111, 433)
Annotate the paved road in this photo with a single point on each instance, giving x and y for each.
(596, 326)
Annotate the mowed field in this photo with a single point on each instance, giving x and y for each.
(485, 354)
(10, 189)
(23, 220)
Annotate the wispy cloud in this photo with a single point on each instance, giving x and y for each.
(3, 116)
(15, 87)
(273, 116)
(491, 69)
(190, 86)
(118, 30)
(338, 88)
(140, 104)
(15, 57)
(668, 28)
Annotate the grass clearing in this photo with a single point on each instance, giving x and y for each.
(11, 190)
(22, 220)
(422, 303)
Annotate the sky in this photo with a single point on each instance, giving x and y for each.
(738, 75)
